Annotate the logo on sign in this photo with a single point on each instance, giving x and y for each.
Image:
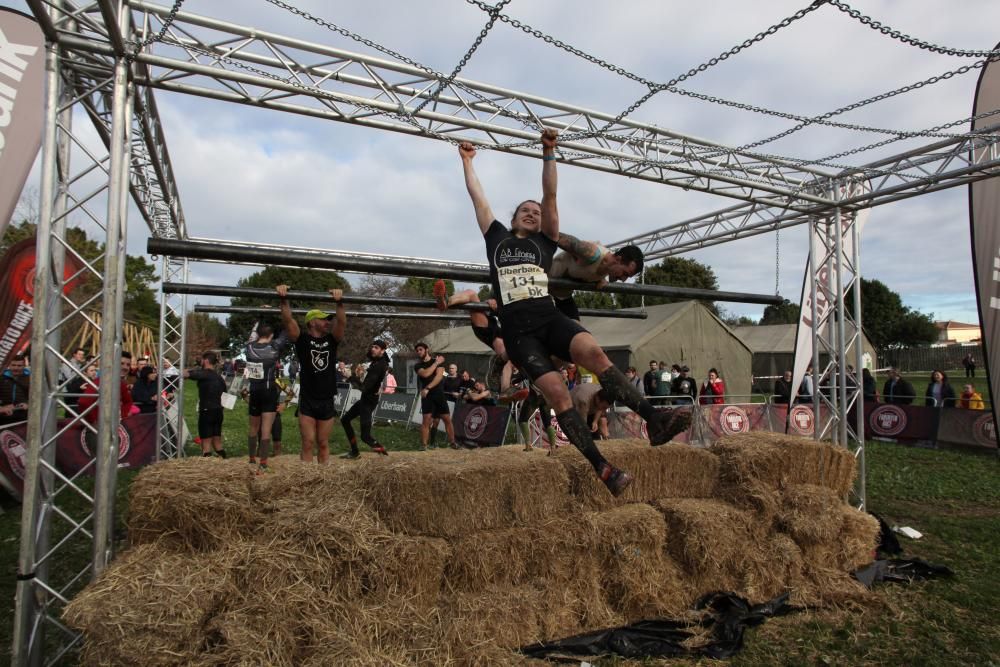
(985, 431)
(475, 422)
(15, 451)
(734, 419)
(801, 420)
(887, 420)
(124, 443)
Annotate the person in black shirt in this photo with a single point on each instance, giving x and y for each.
(682, 385)
(533, 328)
(316, 349)
(365, 406)
(433, 406)
(144, 392)
(263, 352)
(451, 384)
(897, 390)
(211, 386)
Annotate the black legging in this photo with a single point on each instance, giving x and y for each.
(364, 410)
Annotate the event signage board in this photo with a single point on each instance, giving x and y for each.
(136, 448)
(22, 96)
(984, 216)
(394, 407)
(484, 425)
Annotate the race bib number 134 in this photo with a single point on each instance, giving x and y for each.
(522, 281)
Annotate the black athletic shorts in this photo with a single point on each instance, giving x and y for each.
(263, 400)
(490, 332)
(568, 308)
(319, 409)
(434, 405)
(210, 423)
(531, 350)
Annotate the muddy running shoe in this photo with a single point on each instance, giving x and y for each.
(667, 424)
(454, 445)
(379, 449)
(350, 455)
(441, 294)
(615, 479)
(513, 394)
(262, 469)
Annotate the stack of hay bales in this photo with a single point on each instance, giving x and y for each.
(457, 557)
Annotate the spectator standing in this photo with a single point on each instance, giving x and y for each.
(90, 397)
(75, 386)
(633, 376)
(684, 387)
(211, 386)
(14, 384)
(969, 362)
(665, 383)
(713, 390)
(144, 392)
(939, 392)
(390, 382)
(74, 366)
(452, 383)
(897, 391)
(651, 380)
(807, 388)
(971, 399)
(868, 387)
(783, 389)
(357, 376)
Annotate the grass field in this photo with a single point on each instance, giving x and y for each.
(951, 497)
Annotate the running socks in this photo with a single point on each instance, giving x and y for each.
(265, 450)
(252, 446)
(619, 389)
(578, 433)
(221, 452)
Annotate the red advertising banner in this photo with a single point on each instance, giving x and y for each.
(971, 428)
(17, 296)
(801, 420)
(627, 424)
(721, 420)
(136, 448)
(901, 422)
(484, 425)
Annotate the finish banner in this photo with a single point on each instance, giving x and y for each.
(17, 295)
(136, 448)
(984, 216)
(484, 425)
(22, 100)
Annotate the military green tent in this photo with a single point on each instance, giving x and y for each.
(685, 333)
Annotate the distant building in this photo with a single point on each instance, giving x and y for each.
(958, 332)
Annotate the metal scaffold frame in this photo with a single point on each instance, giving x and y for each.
(106, 58)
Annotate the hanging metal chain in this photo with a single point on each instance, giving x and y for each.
(907, 39)
(494, 12)
(138, 46)
(777, 257)
(784, 23)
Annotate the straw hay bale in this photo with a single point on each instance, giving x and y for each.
(450, 494)
(810, 514)
(557, 551)
(712, 540)
(777, 569)
(638, 579)
(673, 470)
(148, 608)
(204, 502)
(775, 458)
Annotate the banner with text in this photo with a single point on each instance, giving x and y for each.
(984, 215)
(22, 102)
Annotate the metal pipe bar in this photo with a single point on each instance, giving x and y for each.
(360, 299)
(270, 257)
(263, 310)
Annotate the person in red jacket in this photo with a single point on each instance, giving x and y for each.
(713, 389)
(90, 393)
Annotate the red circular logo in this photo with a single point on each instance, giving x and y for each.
(124, 444)
(14, 449)
(984, 430)
(887, 420)
(734, 419)
(475, 422)
(801, 419)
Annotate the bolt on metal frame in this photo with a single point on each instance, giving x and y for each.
(92, 73)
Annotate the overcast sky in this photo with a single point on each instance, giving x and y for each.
(249, 174)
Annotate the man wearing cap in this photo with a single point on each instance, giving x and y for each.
(433, 406)
(365, 406)
(316, 349)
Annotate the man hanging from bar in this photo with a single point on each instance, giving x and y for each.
(316, 349)
(534, 330)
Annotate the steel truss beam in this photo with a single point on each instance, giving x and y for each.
(318, 259)
(173, 329)
(361, 300)
(945, 164)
